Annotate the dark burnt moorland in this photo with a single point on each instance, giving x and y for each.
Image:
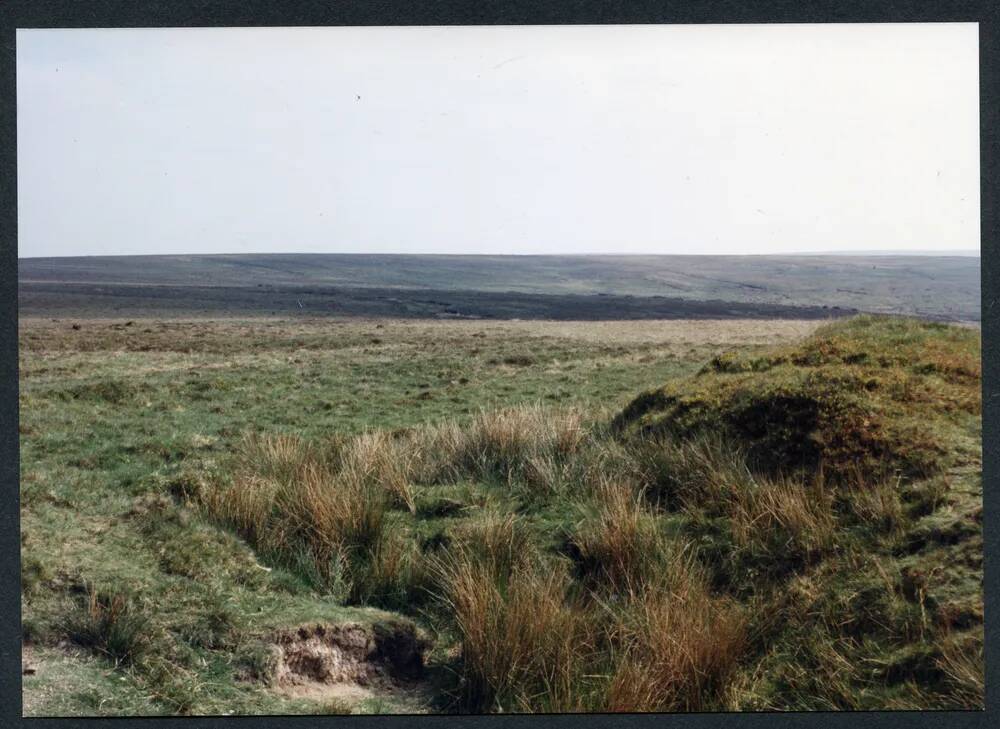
(502, 287)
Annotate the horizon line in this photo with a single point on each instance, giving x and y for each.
(929, 252)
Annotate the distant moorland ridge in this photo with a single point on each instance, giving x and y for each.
(938, 287)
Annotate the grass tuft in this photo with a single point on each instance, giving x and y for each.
(680, 648)
(111, 624)
(523, 647)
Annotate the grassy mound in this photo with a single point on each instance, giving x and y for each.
(869, 397)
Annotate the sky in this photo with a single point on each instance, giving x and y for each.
(527, 140)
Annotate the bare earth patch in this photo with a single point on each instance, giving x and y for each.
(349, 662)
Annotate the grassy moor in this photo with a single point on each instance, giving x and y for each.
(235, 513)
(477, 370)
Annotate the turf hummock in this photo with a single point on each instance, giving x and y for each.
(869, 397)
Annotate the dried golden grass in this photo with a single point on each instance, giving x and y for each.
(798, 517)
(288, 503)
(640, 630)
(707, 476)
(522, 644)
(528, 645)
(378, 458)
(620, 546)
(877, 504)
(680, 649)
(500, 444)
(434, 450)
(696, 472)
(276, 457)
(498, 541)
(963, 664)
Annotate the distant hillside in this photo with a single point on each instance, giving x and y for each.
(941, 287)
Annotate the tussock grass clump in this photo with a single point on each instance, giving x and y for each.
(620, 546)
(278, 457)
(497, 541)
(680, 648)
(650, 638)
(962, 662)
(773, 518)
(526, 445)
(111, 623)
(377, 457)
(675, 645)
(698, 472)
(523, 646)
(374, 457)
(297, 509)
(321, 508)
(334, 514)
(505, 444)
(879, 505)
(435, 448)
(393, 575)
(783, 513)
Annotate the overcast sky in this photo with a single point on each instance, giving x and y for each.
(586, 139)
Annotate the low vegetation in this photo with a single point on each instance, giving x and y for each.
(868, 399)
(797, 527)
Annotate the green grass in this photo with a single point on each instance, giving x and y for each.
(195, 484)
(868, 398)
(121, 427)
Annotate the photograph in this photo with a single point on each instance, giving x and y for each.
(499, 369)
